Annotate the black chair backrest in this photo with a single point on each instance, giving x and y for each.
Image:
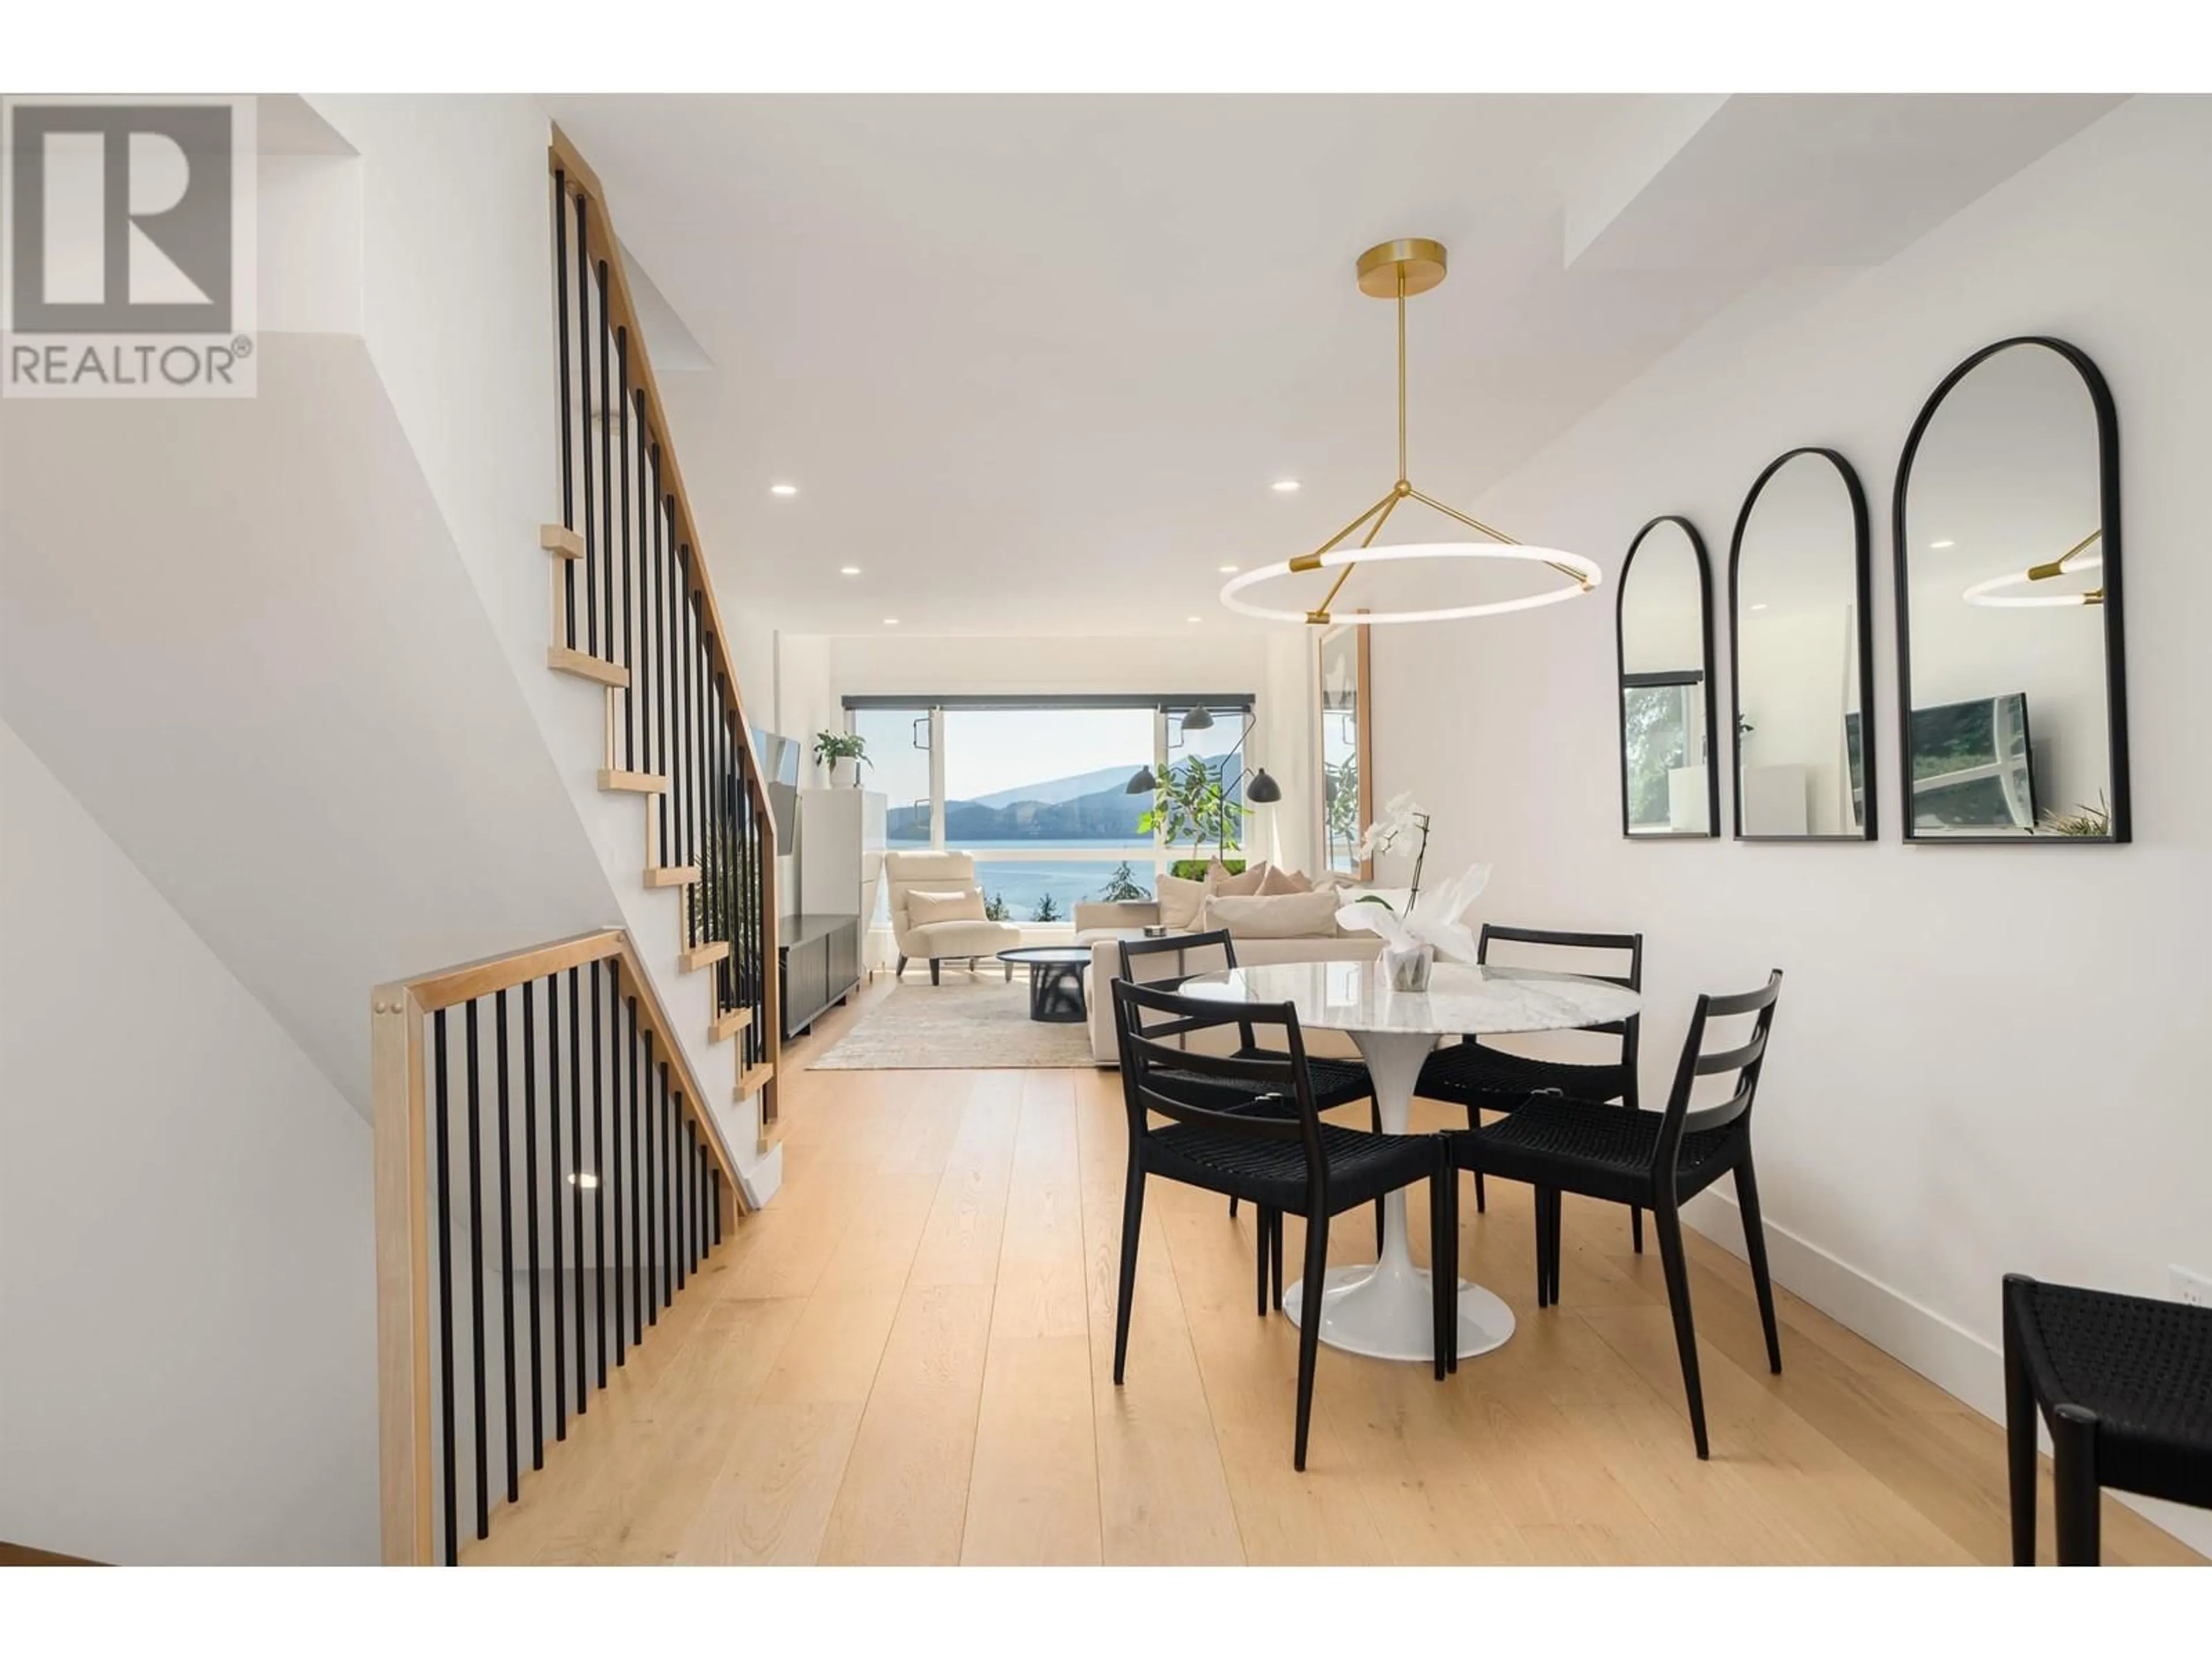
(1629, 1030)
(1745, 1061)
(1155, 1075)
(1194, 953)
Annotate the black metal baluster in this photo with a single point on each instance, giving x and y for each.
(530, 1217)
(619, 416)
(714, 1195)
(614, 1192)
(553, 1177)
(567, 392)
(599, 1174)
(506, 1254)
(606, 463)
(651, 1117)
(592, 549)
(660, 624)
(575, 1177)
(649, 578)
(681, 1177)
(669, 1217)
(636, 1273)
(446, 1285)
(698, 1186)
(477, 1269)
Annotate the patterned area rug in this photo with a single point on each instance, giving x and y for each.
(981, 1024)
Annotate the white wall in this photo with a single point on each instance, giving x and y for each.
(1985, 1059)
(186, 1282)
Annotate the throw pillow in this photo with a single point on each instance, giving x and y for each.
(1282, 915)
(1283, 881)
(922, 909)
(1220, 881)
(1180, 902)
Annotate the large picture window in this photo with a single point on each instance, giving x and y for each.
(1038, 790)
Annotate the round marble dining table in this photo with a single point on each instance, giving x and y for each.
(1382, 1310)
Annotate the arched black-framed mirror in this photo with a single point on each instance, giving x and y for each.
(1664, 641)
(2012, 706)
(1800, 654)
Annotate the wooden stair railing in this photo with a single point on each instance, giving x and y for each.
(541, 1145)
(634, 610)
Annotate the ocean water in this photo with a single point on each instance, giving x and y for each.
(1023, 884)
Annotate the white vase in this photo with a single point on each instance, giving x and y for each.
(1408, 969)
(844, 772)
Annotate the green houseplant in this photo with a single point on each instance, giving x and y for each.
(1192, 804)
(847, 749)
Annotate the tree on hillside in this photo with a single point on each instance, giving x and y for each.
(1048, 909)
(1121, 886)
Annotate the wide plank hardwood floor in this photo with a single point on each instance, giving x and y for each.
(907, 1359)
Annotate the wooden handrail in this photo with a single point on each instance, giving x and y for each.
(400, 1144)
(579, 181)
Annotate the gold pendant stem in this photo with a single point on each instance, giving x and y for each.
(1321, 613)
(1402, 474)
(1312, 561)
(2057, 565)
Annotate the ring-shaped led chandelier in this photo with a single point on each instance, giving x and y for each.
(1399, 270)
(2073, 561)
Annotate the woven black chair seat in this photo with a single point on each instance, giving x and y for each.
(1336, 1083)
(1362, 1167)
(2145, 1368)
(1470, 1074)
(1584, 1145)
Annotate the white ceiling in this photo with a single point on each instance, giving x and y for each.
(1035, 362)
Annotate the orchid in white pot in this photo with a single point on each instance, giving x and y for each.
(1431, 922)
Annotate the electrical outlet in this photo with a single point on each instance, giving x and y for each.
(2195, 1289)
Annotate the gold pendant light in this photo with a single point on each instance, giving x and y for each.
(1398, 270)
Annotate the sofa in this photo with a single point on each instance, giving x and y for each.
(970, 939)
(1104, 927)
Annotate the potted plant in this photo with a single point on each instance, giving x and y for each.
(844, 753)
(1193, 804)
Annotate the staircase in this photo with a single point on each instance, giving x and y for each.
(550, 1171)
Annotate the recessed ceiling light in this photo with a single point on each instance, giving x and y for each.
(849, 570)
(783, 490)
(1228, 569)
(1284, 486)
(1943, 543)
(891, 621)
(1190, 619)
(585, 1179)
(1759, 607)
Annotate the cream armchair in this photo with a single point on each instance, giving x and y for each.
(936, 941)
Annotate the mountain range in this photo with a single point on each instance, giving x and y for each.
(1087, 806)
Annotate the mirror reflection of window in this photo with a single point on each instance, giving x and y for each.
(1798, 575)
(2004, 560)
(1667, 772)
(1345, 812)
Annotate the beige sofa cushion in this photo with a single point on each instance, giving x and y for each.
(1283, 881)
(924, 908)
(1283, 915)
(961, 938)
(1180, 902)
(1219, 880)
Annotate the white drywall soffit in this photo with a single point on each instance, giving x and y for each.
(185, 1236)
(1044, 358)
(1953, 1016)
(262, 668)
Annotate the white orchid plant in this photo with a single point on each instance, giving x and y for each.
(1433, 918)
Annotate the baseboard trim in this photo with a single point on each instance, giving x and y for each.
(1968, 1367)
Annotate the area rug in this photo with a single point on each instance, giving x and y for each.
(981, 1024)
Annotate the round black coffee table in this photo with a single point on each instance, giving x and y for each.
(1055, 979)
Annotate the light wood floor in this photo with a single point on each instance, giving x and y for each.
(907, 1359)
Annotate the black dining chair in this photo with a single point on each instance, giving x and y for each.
(1472, 1074)
(1283, 1160)
(2125, 1384)
(1559, 1144)
(1166, 963)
